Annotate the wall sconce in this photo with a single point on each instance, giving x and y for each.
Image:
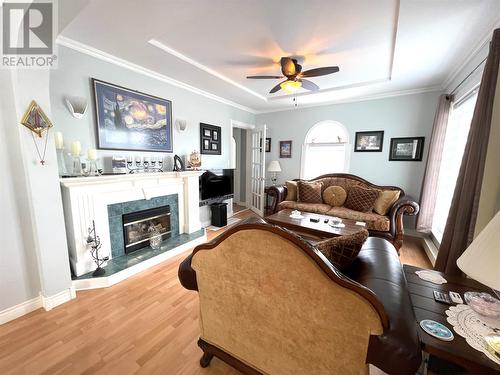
(181, 125)
(77, 106)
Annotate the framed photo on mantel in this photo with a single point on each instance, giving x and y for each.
(407, 149)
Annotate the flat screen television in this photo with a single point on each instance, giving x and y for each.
(216, 184)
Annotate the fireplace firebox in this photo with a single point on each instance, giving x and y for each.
(139, 226)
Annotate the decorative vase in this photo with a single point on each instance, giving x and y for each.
(155, 239)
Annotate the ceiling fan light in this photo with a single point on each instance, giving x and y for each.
(290, 86)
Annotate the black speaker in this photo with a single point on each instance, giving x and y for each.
(219, 214)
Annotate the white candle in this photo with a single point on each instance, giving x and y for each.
(58, 138)
(76, 148)
(92, 154)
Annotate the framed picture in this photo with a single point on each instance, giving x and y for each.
(285, 149)
(268, 144)
(407, 149)
(131, 120)
(210, 139)
(369, 141)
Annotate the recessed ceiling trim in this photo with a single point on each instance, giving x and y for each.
(205, 68)
(355, 99)
(94, 52)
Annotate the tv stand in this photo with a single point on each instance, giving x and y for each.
(219, 214)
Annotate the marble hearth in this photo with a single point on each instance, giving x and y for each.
(100, 198)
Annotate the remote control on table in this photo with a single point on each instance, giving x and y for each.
(442, 297)
(314, 219)
(456, 298)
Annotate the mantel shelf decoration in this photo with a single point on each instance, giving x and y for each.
(37, 121)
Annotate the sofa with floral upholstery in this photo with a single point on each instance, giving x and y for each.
(349, 197)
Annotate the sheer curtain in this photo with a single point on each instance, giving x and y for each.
(462, 217)
(431, 177)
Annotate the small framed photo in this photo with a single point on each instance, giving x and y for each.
(285, 149)
(268, 144)
(407, 149)
(210, 139)
(371, 141)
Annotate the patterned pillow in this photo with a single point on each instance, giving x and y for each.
(309, 192)
(341, 251)
(291, 191)
(334, 196)
(361, 199)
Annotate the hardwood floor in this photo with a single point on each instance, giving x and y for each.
(147, 324)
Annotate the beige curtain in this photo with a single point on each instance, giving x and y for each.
(429, 186)
(459, 228)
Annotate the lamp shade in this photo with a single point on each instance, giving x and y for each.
(274, 166)
(481, 260)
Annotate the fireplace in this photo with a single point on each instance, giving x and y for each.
(138, 227)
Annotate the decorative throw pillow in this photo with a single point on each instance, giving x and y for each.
(385, 200)
(291, 191)
(341, 251)
(309, 192)
(334, 196)
(361, 199)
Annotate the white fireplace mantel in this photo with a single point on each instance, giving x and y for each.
(87, 198)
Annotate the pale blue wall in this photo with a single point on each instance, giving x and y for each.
(72, 78)
(401, 116)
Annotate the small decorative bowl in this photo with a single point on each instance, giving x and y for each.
(483, 304)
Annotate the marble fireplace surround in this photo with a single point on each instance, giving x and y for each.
(87, 198)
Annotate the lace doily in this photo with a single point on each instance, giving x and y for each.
(473, 328)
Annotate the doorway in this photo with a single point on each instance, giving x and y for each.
(240, 156)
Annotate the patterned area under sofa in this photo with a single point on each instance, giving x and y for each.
(388, 226)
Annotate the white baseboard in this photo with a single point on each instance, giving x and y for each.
(19, 310)
(48, 303)
(107, 281)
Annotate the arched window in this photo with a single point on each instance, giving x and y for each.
(325, 150)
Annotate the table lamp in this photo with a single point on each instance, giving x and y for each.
(274, 167)
(481, 262)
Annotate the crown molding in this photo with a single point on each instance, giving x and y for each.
(94, 52)
(385, 95)
(467, 58)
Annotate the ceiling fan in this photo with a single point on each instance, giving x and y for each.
(292, 70)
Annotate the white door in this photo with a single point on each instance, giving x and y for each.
(258, 177)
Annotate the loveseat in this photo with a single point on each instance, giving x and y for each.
(271, 303)
(388, 225)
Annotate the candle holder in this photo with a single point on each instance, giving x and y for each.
(145, 166)
(95, 244)
(61, 162)
(77, 166)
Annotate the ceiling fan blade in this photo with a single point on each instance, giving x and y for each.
(288, 67)
(277, 87)
(320, 71)
(265, 77)
(308, 85)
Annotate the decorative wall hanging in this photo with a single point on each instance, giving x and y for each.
(268, 144)
(369, 141)
(37, 121)
(407, 149)
(131, 120)
(285, 149)
(210, 139)
(77, 106)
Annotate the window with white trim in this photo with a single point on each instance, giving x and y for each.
(325, 150)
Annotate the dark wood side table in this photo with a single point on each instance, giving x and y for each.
(425, 307)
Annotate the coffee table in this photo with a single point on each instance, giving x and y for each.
(311, 229)
(424, 306)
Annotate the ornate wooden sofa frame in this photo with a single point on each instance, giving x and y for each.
(225, 261)
(403, 206)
